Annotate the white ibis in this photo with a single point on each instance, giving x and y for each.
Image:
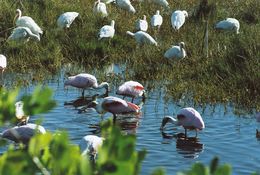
(26, 21)
(142, 38)
(107, 31)
(22, 34)
(66, 19)
(178, 18)
(157, 20)
(228, 24)
(188, 118)
(142, 24)
(3, 64)
(176, 52)
(90, 144)
(84, 81)
(100, 8)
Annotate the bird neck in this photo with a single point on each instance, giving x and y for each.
(130, 33)
(169, 119)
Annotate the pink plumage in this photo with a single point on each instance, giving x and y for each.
(192, 118)
(117, 105)
(131, 89)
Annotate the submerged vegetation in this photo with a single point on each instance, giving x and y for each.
(230, 73)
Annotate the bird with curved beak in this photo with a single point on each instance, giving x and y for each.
(115, 106)
(188, 118)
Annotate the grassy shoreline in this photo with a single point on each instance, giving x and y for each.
(230, 73)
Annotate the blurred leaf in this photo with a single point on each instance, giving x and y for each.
(39, 102)
(224, 170)
(213, 165)
(158, 171)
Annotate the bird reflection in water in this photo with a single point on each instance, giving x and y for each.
(189, 147)
(81, 101)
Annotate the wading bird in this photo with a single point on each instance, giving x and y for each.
(84, 81)
(90, 144)
(189, 118)
(123, 4)
(22, 34)
(100, 8)
(107, 31)
(142, 24)
(65, 20)
(156, 20)
(178, 18)
(3, 64)
(24, 131)
(115, 106)
(26, 21)
(142, 38)
(131, 89)
(228, 24)
(162, 3)
(176, 52)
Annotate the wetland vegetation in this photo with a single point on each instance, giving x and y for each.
(230, 73)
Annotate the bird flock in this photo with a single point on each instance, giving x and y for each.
(26, 28)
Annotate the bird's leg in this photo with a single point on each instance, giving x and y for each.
(185, 133)
(196, 133)
(123, 97)
(83, 93)
(132, 100)
(114, 119)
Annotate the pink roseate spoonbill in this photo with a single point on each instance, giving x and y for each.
(84, 81)
(3, 64)
(100, 8)
(66, 19)
(131, 89)
(188, 118)
(142, 38)
(26, 21)
(228, 24)
(115, 106)
(257, 117)
(178, 18)
(176, 52)
(90, 144)
(24, 131)
(142, 24)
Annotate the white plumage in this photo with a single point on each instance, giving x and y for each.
(229, 24)
(107, 31)
(131, 89)
(89, 145)
(3, 63)
(26, 21)
(142, 38)
(126, 5)
(156, 19)
(162, 3)
(23, 133)
(23, 34)
(100, 8)
(176, 52)
(142, 24)
(84, 81)
(66, 19)
(178, 18)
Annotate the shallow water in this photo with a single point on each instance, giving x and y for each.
(226, 135)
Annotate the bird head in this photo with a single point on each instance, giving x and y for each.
(166, 120)
(157, 12)
(182, 44)
(185, 13)
(18, 15)
(20, 113)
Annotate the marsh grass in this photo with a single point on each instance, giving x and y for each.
(229, 74)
